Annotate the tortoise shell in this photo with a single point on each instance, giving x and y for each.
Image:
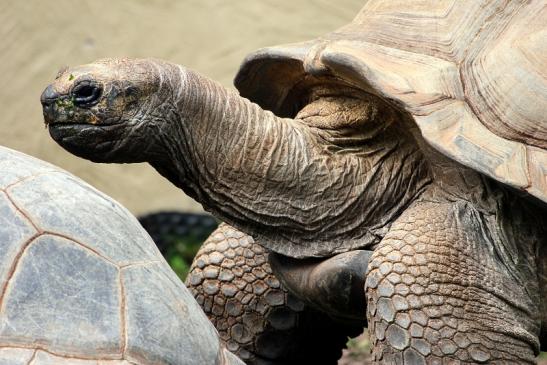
(81, 281)
(471, 73)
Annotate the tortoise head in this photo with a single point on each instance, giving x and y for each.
(89, 109)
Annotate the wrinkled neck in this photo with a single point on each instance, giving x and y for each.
(281, 180)
(229, 154)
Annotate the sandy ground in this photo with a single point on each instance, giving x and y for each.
(210, 36)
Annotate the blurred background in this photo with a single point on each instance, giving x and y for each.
(212, 37)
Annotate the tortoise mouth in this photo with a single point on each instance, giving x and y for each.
(90, 141)
(74, 126)
(61, 131)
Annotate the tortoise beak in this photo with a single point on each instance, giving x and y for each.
(48, 99)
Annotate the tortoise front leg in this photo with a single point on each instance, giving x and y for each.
(256, 317)
(444, 286)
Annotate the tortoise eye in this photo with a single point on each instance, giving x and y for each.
(86, 94)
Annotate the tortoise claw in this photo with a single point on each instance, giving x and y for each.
(334, 285)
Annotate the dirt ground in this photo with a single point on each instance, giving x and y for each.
(358, 351)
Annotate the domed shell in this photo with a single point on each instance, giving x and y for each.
(81, 281)
(471, 73)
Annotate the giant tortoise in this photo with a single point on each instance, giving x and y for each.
(82, 283)
(417, 131)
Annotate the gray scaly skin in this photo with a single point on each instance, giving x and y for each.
(458, 270)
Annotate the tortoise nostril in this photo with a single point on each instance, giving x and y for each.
(87, 94)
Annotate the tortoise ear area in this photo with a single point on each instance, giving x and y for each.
(131, 95)
(131, 91)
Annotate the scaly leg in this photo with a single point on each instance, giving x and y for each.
(256, 317)
(444, 286)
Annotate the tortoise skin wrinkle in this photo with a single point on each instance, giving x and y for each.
(416, 133)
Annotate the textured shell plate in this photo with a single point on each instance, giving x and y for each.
(81, 281)
(471, 73)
